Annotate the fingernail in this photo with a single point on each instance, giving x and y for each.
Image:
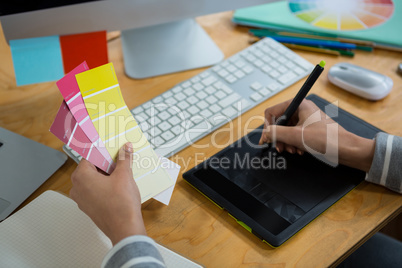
(290, 150)
(128, 147)
(277, 149)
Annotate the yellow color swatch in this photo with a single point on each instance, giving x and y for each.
(116, 126)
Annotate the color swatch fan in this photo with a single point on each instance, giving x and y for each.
(344, 15)
(95, 122)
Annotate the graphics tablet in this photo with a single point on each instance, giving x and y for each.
(275, 195)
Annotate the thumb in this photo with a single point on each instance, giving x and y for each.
(125, 157)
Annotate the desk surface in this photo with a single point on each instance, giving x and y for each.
(191, 224)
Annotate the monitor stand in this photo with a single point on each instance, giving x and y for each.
(167, 48)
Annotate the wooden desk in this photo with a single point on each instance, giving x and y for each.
(191, 224)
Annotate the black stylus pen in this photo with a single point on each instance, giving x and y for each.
(284, 119)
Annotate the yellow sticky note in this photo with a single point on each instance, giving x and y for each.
(116, 126)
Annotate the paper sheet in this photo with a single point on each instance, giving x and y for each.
(72, 95)
(173, 170)
(116, 126)
(51, 231)
(67, 129)
(37, 59)
(89, 47)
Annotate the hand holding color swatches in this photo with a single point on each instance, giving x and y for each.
(95, 122)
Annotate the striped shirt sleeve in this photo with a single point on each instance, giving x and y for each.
(386, 167)
(136, 251)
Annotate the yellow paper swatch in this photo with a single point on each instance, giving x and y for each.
(116, 126)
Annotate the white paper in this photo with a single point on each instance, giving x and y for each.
(173, 170)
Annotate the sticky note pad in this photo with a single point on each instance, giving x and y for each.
(37, 59)
(67, 129)
(72, 95)
(116, 126)
(89, 47)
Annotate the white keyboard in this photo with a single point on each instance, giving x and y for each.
(196, 107)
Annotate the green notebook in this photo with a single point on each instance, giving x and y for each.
(279, 15)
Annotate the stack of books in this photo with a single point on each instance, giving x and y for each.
(327, 26)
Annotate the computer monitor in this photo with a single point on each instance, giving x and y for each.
(158, 36)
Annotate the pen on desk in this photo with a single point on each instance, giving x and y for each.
(283, 120)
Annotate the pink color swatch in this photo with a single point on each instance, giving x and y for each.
(72, 95)
(66, 128)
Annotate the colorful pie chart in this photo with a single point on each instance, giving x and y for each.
(344, 15)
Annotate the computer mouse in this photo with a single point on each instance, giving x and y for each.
(360, 81)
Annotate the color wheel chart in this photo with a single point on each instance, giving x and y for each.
(344, 15)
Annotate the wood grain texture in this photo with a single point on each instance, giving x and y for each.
(191, 224)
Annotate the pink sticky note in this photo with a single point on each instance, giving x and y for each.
(66, 128)
(68, 87)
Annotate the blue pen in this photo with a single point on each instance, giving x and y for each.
(313, 42)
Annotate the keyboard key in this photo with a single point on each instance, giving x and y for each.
(211, 99)
(184, 85)
(241, 105)
(256, 86)
(164, 115)
(183, 104)
(239, 74)
(230, 79)
(229, 111)
(170, 101)
(158, 99)
(273, 86)
(174, 120)
(177, 130)
(220, 94)
(231, 68)
(258, 63)
(302, 63)
(141, 117)
(154, 121)
(226, 89)
(216, 68)
(215, 108)
(195, 79)
(189, 91)
(286, 78)
(202, 105)
(180, 96)
(177, 89)
(168, 135)
(251, 58)
(192, 100)
(265, 92)
(298, 70)
(223, 73)
(198, 86)
(144, 126)
(147, 105)
(274, 64)
(167, 94)
(155, 131)
(201, 95)
(209, 80)
(206, 113)
(204, 74)
(229, 100)
(158, 141)
(248, 69)
(274, 73)
(266, 69)
(256, 96)
(174, 110)
(210, 90)
(282, 69)
(218, 119)
(193, 110)
(165, 126)
(240, 63)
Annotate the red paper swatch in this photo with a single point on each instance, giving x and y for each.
(89, 47)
